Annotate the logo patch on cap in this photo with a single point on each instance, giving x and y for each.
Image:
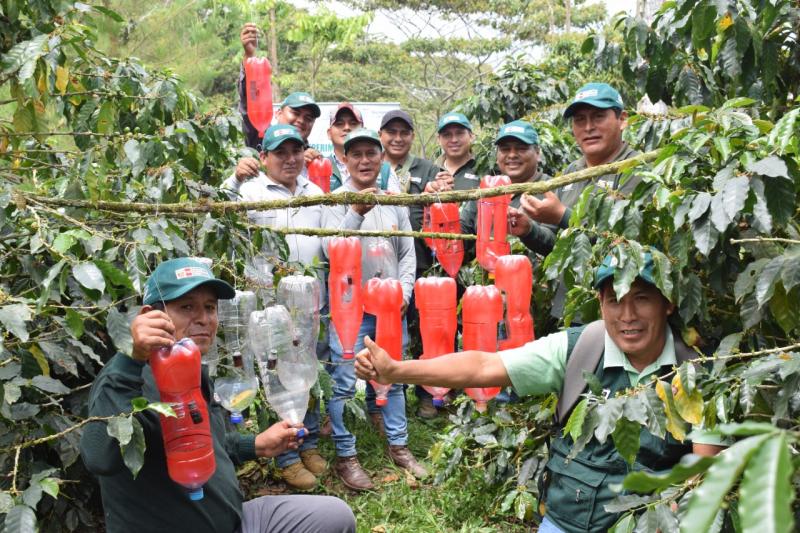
(190, 272)
(282, 131)
(304, 98)
(583, 95)
(514, 129)
(451, 118)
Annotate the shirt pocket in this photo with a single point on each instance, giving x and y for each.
(572, 491)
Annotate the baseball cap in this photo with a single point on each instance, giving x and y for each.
(453, 118)
(346, 105)
(362, 134)
(397, 114)
(519, 129)
(301, 99)
(610, 265)
(174, 278)
(600, 95)
(277, 134)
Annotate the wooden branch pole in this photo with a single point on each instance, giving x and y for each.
(342, 198)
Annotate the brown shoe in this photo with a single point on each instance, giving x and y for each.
(327, 428)
(426, 409)
(296, 476)
(352, 474)
(313, 461)
(403, 458)
(377, 422)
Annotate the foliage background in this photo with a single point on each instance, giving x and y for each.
(718, 208)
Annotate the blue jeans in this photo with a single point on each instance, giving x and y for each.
(344, 388)
(311, 420)
(549, 527)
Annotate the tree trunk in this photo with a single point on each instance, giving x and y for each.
(273, 54)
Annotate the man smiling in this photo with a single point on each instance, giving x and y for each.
(632, 343)
(518, 158)
(180, 300)
(598, 120)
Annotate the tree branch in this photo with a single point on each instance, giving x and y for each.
(347, 198)
(765, 239)
(54, 436)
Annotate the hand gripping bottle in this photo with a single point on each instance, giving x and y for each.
(436, 302)
(384, 299)
(258, 74)
(187, 436)
(481, 310)
(344, 290)
(492, 224)
(514, 276)
(271, 342)
(320, 171)
(449, 252)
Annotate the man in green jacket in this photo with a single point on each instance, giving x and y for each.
(597, 118)
(180, 300)
(631, 344)
(518, 158)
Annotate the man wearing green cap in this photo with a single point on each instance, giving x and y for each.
(383, 257)
(632, 343)
(180, 300)
(597, 118)
(299, 110)
(518, 158)
(455, 136)
(282, 157)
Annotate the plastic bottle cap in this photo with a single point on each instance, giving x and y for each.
(438, 402)
(196, 494)
(236, 418)
(348, 355)
(300, 433)
(380, 402)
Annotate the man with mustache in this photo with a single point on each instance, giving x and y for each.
(630, 345)
(395, 259)
(282, 156)
(180, 300)
(518, 158)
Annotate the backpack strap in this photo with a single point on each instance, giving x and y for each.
(585, 356)
(683, 353)
(386, 171)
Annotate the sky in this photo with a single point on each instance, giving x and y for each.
(400, 28)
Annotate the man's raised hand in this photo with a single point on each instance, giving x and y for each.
(548, 210)
(373, 363)
(247, 167)
(249, 38)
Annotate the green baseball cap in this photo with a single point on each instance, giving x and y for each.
(611, 265)
(301, 99)
(600, 95)
(362, 134)
(174, 278)
(519, 129)
(277, 134)
(453, 118)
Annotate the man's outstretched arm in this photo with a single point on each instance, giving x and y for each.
(456, 370)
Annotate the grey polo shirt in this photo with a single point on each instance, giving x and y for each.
(302, 248)
(380, 217)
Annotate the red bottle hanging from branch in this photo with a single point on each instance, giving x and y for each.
(436, 301)
(514, 276)
(258, 74)
(320, 171)
(344, 289)
(481, 311)
(187, 436)
(444, 218)
(492, 224)
(383, 298)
